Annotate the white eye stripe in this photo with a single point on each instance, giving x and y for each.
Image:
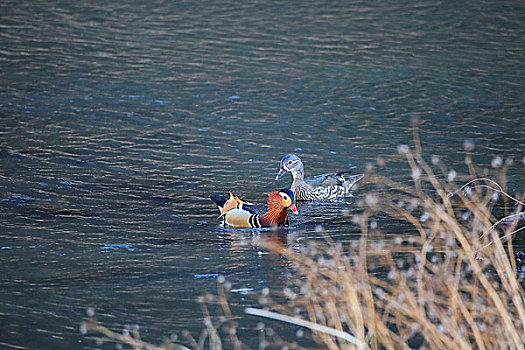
(284, 195)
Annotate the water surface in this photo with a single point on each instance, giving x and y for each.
(118, 119)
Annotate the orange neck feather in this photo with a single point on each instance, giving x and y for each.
(274, 201)
(276, 213)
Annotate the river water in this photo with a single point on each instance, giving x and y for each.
(118, 119)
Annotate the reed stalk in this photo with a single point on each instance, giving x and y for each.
(448, 282)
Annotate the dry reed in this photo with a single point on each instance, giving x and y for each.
(449, 282)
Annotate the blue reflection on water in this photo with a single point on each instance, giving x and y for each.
(112, 247)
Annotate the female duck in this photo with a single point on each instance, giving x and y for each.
(324, 186)
(279, 202)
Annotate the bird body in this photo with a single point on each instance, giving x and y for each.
(240, 217)
(325, 186)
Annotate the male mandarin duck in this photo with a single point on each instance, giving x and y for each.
(279, 202)
(325, 186)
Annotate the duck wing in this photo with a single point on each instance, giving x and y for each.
(220, 200)
(333, 179)
(324, 180)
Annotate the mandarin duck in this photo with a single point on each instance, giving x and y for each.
(325, 186)
(238, 216)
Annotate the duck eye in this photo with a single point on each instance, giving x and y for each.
(285, 197)
(290, 162)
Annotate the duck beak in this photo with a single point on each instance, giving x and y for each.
(281, 173)
(293, 208)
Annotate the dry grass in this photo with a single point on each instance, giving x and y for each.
(450, 285)
(208, 338)
(219, 332)
(450, 282)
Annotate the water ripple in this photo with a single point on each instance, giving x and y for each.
(117, 120)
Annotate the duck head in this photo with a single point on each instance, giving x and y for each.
(279, 202)
(290, 163)
(282, 200)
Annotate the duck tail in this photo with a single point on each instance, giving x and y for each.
(351, 180)
(219, 200)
